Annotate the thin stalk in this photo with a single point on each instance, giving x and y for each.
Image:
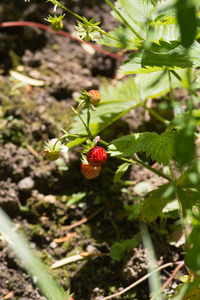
(171, 90)
(61, 138)
(179, 202)
(139, 281)
(110, 36)
(181, 80)
(124, 20)
(171, 172)
(157, 116)
(181, 214)
(85, 21)
(70, 11)
(88, 117)
(147, 167)
(86, 127)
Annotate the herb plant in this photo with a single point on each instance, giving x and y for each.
(161, 38)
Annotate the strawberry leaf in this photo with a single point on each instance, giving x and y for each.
(187, 199)
(120, 171)
(161, 148)
(154, 204)
(141, 10)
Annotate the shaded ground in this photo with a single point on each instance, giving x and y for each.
(35, 193)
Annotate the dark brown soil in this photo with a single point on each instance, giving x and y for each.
(34, 192)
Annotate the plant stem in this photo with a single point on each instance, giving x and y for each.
(88, 117)
(124, 20)
(70, 11)
(147, 167)
(62, 137)
(171, 91)
(181, 215)
(139, 281)
(181, 80)
(86, 127)
(110, 36)
(171, 172)
(157, 116)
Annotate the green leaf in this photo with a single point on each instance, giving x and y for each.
(189, 290)
(125, 36)
(157, 57)
(161, 148)
(154, 204)
(185, 145)
(125, 146)
(192, 251)
(115, 102)
(186, 14)
(120, 171)
(118, 249)
(141, 10)
(187, 199)
(182, 120)
(157, 84)
(133, 211)
(191, 177)
(119, 99)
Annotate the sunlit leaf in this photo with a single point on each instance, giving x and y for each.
(120, 171)
(161, 148)
(186, 15)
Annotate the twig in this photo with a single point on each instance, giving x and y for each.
(139, 281)
(85, 219)
(32, 150)
(180, 265)
(48, 28)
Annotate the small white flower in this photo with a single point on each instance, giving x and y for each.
(64, 149)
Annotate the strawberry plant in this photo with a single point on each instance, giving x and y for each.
(161, 38)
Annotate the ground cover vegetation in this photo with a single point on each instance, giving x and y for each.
(145, 179)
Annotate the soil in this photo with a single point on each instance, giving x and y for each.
(35, 193)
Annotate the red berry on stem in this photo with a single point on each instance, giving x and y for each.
(96, 156)
(90, 172)
(95, 96)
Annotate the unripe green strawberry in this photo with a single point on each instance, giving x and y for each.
(96, 156)
(53, 148)
(57, 25)
(52, 155)
(90, 172)
(95, 97)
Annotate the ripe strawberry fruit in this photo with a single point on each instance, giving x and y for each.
(95, 96)
(90, 172)
(96, 156)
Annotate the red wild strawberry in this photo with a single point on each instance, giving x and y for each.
(90, 172)
(96, 156)
(95, 96)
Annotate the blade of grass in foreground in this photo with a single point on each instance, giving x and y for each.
(48, 287)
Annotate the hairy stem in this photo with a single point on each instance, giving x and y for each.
(124, 20)
(157, 116)
(181, 80)
(110, 36)
(69, 11)
(171, 90)
(61, 138)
